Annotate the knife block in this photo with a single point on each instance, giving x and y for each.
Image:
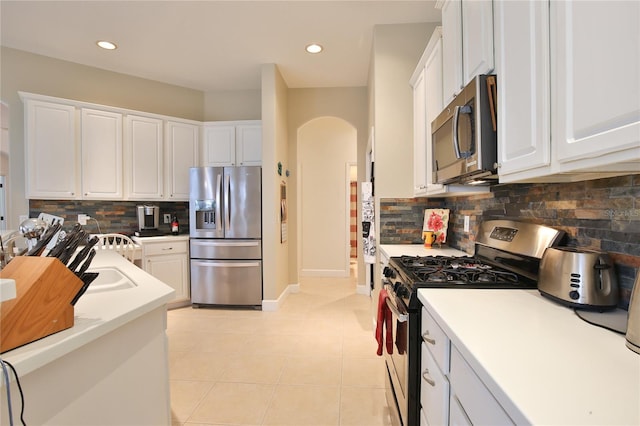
(44, 290)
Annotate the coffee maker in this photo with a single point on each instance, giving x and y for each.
(148, 221)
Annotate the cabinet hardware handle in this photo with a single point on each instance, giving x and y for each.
(167, 248)
(427, 378)
(428, 339)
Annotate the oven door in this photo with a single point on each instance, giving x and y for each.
(397, 362)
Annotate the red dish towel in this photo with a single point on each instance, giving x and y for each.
(384, 321)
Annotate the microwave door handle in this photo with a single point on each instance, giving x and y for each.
(456, 141)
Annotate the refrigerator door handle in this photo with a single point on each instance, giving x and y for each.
(226, 243)
(227, 189)
(217, 264)
(218, 198)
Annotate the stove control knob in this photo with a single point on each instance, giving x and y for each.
(388, 272)
(400, 290)
(574, 295)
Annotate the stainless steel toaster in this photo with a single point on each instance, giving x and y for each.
(578, 278)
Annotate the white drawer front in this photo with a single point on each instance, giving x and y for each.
(436, 340)
(457, 416)
(434, 390)
(172, 247)
(476, 400)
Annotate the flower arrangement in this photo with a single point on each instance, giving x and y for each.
(437, 220)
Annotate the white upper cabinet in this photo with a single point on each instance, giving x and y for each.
(477, 39)
(522, 70)
(144, 144)
(566, 113)
(52, 156)
(181, 153)
(595, 78)
(249, 144)
(452, 81)
(232, 143)
(467, 40)
(419, 134)
(219, 145)
(101, 143)
(427, 105)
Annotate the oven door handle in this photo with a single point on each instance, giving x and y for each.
(401, 317)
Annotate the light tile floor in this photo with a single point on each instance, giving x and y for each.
(313, 362)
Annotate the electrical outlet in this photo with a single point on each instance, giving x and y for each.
(167, 218)
(82, 219)
(466, 224)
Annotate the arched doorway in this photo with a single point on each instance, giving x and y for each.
(327, 147)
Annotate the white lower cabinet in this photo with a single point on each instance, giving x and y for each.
(434, 390)
(167, 259)
(434, 368)
(457, 417)
(450, 391)
(476, 401)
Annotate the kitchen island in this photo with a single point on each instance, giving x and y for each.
(111, 367)
(537, 359)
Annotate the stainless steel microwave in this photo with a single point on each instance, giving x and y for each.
(464, 141)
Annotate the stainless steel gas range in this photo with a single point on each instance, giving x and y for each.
(507, 256)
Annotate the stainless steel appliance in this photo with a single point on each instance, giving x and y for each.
(225, 227)
(148, 217)
(578, 278)
(464, 139)
(507, 256)
(633, 318)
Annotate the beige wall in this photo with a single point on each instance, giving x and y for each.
(22, 71)
(396, 51)
(326, 146)
(349, 104)
(233, 105)
(274, 150)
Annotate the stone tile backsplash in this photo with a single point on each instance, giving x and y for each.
(601, 214)
(111, 216)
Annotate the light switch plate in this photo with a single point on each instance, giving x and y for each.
(466, 224)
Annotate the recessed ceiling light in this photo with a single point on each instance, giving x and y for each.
(313, 48)
(106, 45)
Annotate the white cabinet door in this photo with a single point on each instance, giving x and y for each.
(433, 105)
(419, 135)
(53, 169)
(219, 145)
(171, 269)
(477, 38)
(451, 49)
(249, 144)
(144, 154)
(522, 70)
(595, 81)
(101, 143)
(181, 153)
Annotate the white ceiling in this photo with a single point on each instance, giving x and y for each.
(211, 45)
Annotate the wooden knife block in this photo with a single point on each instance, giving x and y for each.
(44, 290)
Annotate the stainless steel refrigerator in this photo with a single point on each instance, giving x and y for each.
(225, 227)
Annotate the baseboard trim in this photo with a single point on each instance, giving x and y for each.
(274, 305)
(363, 289)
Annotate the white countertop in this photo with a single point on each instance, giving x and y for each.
(96, 314)
(160, 238)
(393, 250)
(541, 362)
